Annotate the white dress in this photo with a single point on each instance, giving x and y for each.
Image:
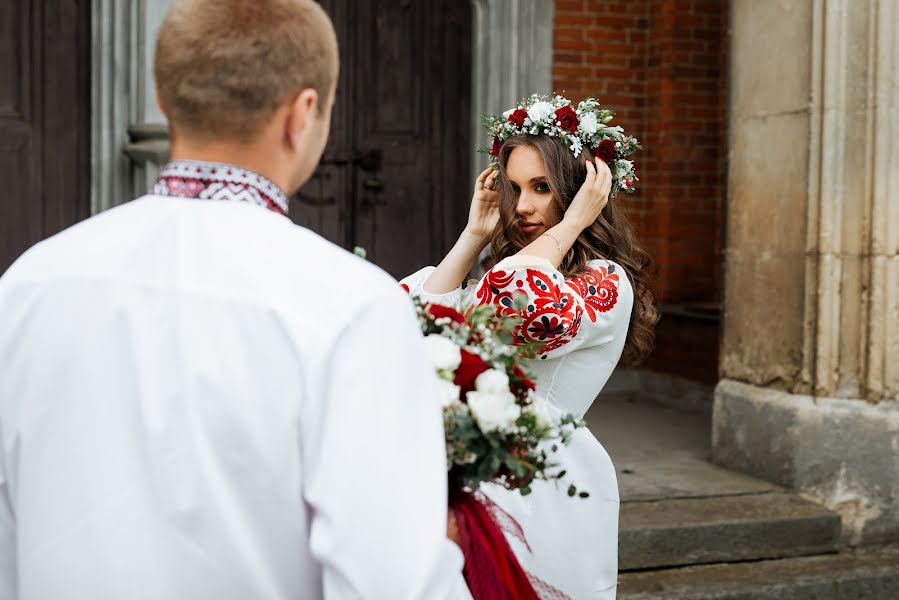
(580, 325)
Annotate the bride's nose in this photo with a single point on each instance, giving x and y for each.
(525, 206)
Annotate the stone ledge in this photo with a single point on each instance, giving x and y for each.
(692, 531)
(841, 453)
(870, 574)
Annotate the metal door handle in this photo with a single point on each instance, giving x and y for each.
(369, 160)
(316, 201)
(373, 185)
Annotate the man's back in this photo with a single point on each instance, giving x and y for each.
(194, 403)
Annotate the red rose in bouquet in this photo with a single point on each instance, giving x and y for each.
(521, 382)
(471, 366)
(438, 311)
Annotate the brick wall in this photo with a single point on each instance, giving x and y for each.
(661, 65)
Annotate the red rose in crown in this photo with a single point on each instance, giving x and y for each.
(567, 119)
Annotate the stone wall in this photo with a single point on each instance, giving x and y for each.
(811, 322)
(811, 300)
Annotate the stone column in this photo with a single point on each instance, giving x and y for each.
(810, 346)
(124, 34)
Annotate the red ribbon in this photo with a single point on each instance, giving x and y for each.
(491, 570)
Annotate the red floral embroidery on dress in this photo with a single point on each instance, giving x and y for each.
(599, 289)
(548, 292)
(492, 291)
(551, 317)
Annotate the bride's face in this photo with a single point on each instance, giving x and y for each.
(536, 208)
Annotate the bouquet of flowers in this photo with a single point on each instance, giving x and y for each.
(497, 430)
(584, 126)
(495, 424)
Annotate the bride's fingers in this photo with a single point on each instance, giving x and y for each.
(591, 174)
(479, 182)
(603, 179)
(490, 182)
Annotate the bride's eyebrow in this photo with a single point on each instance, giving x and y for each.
(540, 179)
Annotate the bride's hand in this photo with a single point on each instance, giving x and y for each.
(452, 527)
(592, 197)
(484, 212)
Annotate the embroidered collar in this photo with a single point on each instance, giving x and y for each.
(214, 181)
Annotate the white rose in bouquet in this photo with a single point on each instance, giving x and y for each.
(492, 410)
(492, 381)
(448, 393)
(442, 352)
(541, 409)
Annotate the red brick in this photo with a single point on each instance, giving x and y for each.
(661, 65)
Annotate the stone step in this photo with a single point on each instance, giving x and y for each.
(692, 531)
(869, 574)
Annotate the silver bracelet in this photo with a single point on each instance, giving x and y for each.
(558, 243)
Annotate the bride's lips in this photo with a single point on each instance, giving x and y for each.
(528, 228)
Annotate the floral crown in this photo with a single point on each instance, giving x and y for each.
(583, 127)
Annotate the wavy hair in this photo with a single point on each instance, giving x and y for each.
(611, 236)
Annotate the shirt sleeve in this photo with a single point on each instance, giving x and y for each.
(559, 314)
(375, 464)
(459, 298)
(7, 539)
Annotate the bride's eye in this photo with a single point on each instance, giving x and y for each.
(542, 188)
(515, 189)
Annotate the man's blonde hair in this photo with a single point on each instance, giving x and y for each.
(223, 67)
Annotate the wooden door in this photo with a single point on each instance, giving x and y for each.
(394, 178)
(44, 121)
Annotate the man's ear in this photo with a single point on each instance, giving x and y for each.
(159, 102)
(300, 114)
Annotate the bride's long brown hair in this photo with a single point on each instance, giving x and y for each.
(611, 236)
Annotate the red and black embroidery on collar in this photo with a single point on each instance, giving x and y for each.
(213, 181)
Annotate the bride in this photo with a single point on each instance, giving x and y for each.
(560, 244)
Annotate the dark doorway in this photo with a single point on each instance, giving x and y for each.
(395, 175)
(45, 100)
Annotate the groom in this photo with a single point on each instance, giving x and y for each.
(199, 399)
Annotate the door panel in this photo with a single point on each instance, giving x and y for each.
(44, 121)
(394, 178)
(322, 204)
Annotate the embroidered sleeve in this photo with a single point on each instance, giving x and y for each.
(458, 298)
(559, 315)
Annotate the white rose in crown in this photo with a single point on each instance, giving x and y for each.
(589, 123)
(442, 353)
(540, 110)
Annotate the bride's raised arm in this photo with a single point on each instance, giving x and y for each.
(482, 218)
(555, 243)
